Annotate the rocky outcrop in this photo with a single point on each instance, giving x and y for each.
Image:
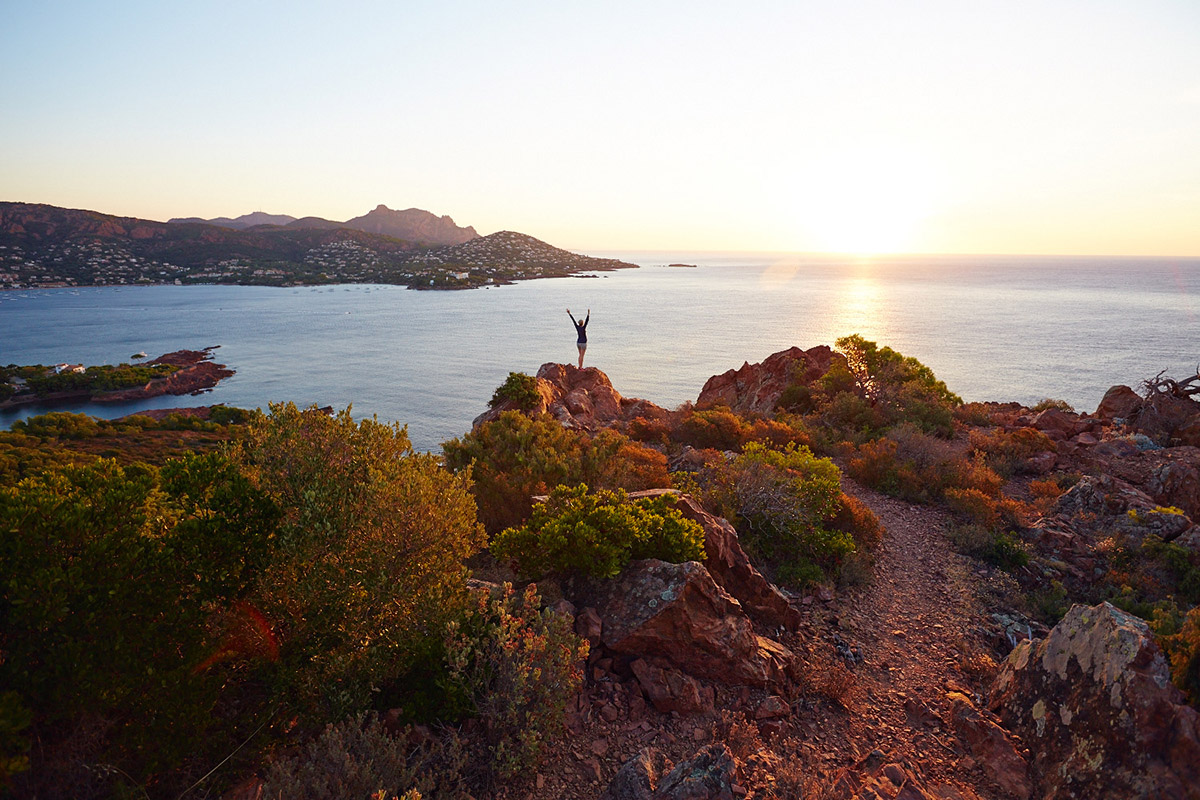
(580, 398)
(412, 224)
(1120, 402)
(670, 690)
(991, 746)
(676, 614)
(756, 388)
(730, 567)
(196, 373)
(1094, 704)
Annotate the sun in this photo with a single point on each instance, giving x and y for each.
(866, 201)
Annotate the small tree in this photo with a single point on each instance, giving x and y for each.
(368, 561)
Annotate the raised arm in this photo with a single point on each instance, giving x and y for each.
(573, 318)
(588, 318)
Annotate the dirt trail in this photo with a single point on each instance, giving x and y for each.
(917, 628)
(903, 639)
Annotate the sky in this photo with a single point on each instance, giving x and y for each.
(878, 126)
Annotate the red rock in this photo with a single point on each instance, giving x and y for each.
(1041, 463)
(1188, 433)
(1163, 416)
(588, 625)
(1057, 424)
(1120, 402)
(990, 744)
(773, 707)
(730, 567)
(676, 612)
(1094, 703)
(671, 690)
(591, 770)
(579, 398)
(757, 388)
(1085, 439)
(1177, 482)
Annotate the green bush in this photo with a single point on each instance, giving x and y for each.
(520, 390)
(597, 534)
(109, 578)
(367, 561)
(515, 457)
(787, 506)
(875, 388)
(517, 665)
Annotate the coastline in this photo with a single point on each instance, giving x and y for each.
(197, 374)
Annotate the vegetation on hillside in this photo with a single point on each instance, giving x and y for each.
(185, 601)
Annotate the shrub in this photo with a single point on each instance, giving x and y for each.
(109, 577)
(1049, 604)
(717, 428)
(1008, 453)
(368, 558)
(359, 758)
(855, 518)
(786, 504)
(1183, 650)
(518, 665)
(597, 534)
(977, 414)
(515, 457)
(996, 547)
(519, 390)
(899, 388)
(1047, 403)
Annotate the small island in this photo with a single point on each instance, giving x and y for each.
(177, 373)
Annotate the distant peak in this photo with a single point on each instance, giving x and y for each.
(382, 207)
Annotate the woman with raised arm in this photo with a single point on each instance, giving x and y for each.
(581, 329)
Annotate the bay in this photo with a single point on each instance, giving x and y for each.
(992, 327)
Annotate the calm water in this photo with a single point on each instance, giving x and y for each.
(994, 328)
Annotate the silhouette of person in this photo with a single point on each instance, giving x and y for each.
(581, 329)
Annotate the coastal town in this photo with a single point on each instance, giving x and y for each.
(42, 247)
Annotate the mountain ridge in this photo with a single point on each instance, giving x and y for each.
(411, 224)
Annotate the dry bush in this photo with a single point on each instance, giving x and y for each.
(644, 429)
(976, 414)
(857, 519)
(976, 664)
(360, 758)
(1009, 453)
(857, 569)
(826, 676)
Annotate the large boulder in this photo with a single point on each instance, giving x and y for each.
(1094, 704)
(1120, 402)
(580, 398)
(730, 567)
(676, 613)
(756, 388)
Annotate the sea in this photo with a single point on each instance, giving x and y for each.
(1001, 328)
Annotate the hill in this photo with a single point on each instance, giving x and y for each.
(242, 222)
(46, 246)
(413, 224)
